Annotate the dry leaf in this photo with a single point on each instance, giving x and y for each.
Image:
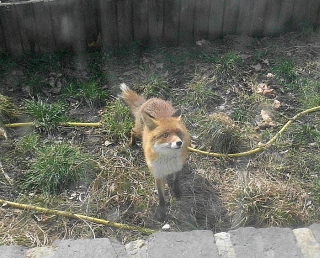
(276, 104)
(263, 89)
(266, 117)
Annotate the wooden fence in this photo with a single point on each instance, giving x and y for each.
(51, 25)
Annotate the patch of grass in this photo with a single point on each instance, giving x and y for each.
(305, 134)
(124, 189)
(285, 73)
(28, 144)
(8, 110)
(55, 168)
(117, 120)
(156, 87)
(310, 93)
(198, 92)
(45, 115)
(219, 134)
(260, 201)
(88, 92)
(229, 64)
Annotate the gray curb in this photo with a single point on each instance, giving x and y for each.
(240, 243)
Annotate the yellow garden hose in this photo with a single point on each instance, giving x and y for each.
(76, 216)
(219, 155)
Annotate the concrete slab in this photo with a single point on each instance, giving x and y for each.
(83, 248)
(224, 245)
(308, 245)
(279, 242)
(12, 251)
(315, 228)
(267, 242)
(198, 243)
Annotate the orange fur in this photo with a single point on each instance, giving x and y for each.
(165, 139)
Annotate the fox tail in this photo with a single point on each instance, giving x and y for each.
(132, 99)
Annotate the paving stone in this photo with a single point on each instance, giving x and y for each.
(197, 243)
(39, 252)
(309, 246)
(12, 251)
(224, 245)
(267, 242)
(137, 249)
(83, 248)
(315, 228)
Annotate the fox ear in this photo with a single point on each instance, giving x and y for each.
(149, 120)
(177, 114)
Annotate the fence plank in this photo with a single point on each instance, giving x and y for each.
(76, 25)
(25, 20)
(109, 35)
(312, 14)
(124, 10)
(216, 19)
(10, 29)
(43, 24)
(140, 20)
(186, 26)
(245, 16)
(231, 13)
(60, 24)
(3, 48)
(258, 18)
(90, 16)
(201, 23)
(171, 21)
(155, 19)
(271, 25)
(285, 15)
(298, 13)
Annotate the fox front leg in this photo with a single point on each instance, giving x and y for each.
(162, 198)
(176, 185)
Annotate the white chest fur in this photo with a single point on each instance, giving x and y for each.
(166, 164)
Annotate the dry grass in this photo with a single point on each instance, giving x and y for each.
(216, 88)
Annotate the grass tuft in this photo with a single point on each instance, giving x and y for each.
(55, 168)
(89, 92)
(45, 115)
(219, 134)
(8, 111)
(117, 120)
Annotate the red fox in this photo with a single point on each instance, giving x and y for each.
(165, 139)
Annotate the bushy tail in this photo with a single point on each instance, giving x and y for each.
(132, 99)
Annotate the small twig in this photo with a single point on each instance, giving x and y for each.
(10, 181)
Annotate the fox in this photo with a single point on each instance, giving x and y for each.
(165, 139)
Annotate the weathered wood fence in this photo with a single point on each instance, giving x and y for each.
(51, 25)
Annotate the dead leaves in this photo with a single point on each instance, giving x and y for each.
(263, 89)
(265, 120)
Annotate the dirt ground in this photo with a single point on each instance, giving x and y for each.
(202, 205)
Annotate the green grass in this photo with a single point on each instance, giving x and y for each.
(44, 115)
(88, 92)
(117, 121)
(285, 73)
(55, 168)
(8, 110)
(156, 86)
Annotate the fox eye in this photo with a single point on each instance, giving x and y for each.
(165, 135)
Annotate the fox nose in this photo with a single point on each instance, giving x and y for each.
(179, 143)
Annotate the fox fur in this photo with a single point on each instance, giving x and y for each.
(165, 139)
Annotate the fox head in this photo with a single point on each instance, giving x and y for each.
(166, 132)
